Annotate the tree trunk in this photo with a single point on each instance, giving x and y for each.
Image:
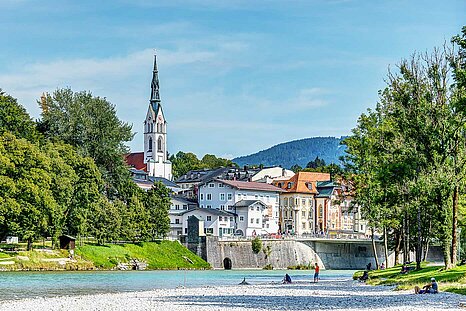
(426, 250)
(385, 244)
(418, 244)
(374, 249)
(29, 246)
(398, 237)
(454, 240)
(405, 248)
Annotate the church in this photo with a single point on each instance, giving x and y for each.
(153, 162)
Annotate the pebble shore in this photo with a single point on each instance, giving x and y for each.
(325, 295)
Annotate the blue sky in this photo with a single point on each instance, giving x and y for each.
(236, 76)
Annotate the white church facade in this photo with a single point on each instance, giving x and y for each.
(154, 160)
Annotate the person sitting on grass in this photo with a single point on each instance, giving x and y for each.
(287, 279)
(404, 269)
(364, 277)
(431, 288)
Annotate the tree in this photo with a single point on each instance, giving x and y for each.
(316, 163)
(15, 119)
(157, 202)
(91, 125)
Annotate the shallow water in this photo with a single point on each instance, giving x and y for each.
(17, 285)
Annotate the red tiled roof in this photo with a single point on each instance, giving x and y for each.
(250, 185)
(136, 160)
(300, 182)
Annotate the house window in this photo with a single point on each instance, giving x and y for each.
(257, 208)
(241, 218)
(303, 202)
(202, 196)
(185, 206)
(209, 196)
(252, 208)
(229, 196)
(230, 207)
(267, 198)
(177, 206)
(220, 185)
(222, 196)
(257, 220)
(231, 218)
(256, 197)
(209, 218)
(252, 220)
(222, 207)
(211, 185)
(220, 218)
(285, 201)
(177, 221)
(160, 144)
(149, 149)
(185, 230)
(209, 206)
(202, 205)
(304, 225)
(304, 214)
(179, 232)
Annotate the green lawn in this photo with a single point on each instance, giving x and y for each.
(158, 255)
(453, 280)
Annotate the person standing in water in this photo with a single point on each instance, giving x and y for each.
(316, 273)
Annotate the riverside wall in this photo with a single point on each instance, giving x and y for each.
(329, 254)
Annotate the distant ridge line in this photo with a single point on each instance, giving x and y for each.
(300, 152)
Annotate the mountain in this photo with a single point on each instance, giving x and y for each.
(297, 152)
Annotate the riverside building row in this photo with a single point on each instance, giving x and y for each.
(245, 201)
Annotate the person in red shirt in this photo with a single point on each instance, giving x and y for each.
(316, 273)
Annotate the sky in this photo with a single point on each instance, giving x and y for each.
(236, 76)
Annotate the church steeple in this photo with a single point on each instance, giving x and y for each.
(155, 91)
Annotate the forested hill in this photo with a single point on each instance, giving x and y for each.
(297, 152)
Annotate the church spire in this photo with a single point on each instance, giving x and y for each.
(155, 91)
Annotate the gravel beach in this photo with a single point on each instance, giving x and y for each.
(325, 295)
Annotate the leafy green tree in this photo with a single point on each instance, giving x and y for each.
(91, 125)
(15, 119)
(157, 203)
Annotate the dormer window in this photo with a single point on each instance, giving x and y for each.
(309, 186)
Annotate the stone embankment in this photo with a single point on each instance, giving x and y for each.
(325, 295)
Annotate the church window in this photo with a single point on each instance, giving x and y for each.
(150, 145)
(159, 144)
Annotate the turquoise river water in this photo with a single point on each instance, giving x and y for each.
(17, 285)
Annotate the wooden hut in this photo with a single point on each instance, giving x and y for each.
(67, 242)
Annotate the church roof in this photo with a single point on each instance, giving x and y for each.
(136, 160)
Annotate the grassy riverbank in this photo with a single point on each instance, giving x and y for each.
(157, 255)
(453, 280)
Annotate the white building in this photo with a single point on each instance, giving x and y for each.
(177, 208)
(155, 133)
(269, 174)
(216, 222)
(227, 195)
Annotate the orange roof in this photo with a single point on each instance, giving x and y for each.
(301, 182)
(136, 160)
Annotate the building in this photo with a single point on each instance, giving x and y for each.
(227, 195)
(189, 182)
(178, 206)
(216, 222)
(154, 159)
(297, 202)
(144, 181)
(270, 174)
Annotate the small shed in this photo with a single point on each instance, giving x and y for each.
(67, 242)
(12, 240)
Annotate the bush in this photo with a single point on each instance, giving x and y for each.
(256, 244)
(268, 267)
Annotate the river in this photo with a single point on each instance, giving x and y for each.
(17, 285)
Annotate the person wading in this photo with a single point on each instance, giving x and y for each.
(316, 273)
